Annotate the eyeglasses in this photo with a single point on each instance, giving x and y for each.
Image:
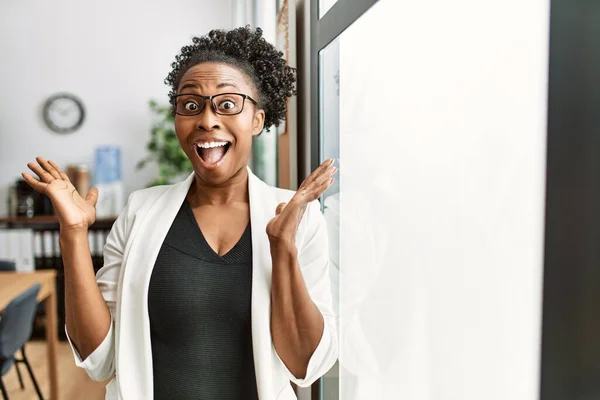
(222, 103)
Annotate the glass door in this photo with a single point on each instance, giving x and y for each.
(329, 19)
(329, 146)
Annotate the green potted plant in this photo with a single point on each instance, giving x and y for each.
(164, 148)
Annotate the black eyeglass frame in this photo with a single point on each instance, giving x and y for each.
(214, 106)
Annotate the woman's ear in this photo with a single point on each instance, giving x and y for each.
(258, 122)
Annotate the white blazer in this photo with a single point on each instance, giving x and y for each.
(129, 255)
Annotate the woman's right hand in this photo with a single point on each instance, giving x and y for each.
(73, 212)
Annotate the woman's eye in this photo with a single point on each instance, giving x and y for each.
(228, 105)
(190, 106)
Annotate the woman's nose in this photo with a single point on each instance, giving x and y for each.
(207, 120)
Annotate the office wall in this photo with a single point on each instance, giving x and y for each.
(114, 55)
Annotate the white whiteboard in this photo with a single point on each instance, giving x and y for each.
(442, 150)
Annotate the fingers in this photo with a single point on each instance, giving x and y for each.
(92, 197)
(46, 170)
(318, 171)
(48, 167)
(317, 190)
(38, 186)
(60, 172)
(40, 172)
(324, 177)
(324, 186)
(312, 190)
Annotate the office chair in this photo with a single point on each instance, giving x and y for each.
(16, 326)
(6, 265)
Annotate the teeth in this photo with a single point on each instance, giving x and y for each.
(208, 145)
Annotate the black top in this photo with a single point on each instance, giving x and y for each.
(199, 307)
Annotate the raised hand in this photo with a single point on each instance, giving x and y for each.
(73, 212)
(282, 228)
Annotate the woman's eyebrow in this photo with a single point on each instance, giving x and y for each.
(227, 84)
(188, 86)
(221, 85)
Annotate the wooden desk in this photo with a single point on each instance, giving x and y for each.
(14, 283)
(48, 254)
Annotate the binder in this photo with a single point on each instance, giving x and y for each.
(26, 257)
(17, 245)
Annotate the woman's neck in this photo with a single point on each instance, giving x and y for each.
(234, 190)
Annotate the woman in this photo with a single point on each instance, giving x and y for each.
(216, 287)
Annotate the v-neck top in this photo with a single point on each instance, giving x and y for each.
(200, 323)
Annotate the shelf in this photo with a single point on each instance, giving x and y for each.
(48, 221)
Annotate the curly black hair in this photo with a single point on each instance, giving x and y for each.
(253, 55)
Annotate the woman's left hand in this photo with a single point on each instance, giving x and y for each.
(282, 228)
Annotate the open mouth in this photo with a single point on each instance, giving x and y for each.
(212, 153)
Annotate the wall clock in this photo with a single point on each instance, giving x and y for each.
(63, 113)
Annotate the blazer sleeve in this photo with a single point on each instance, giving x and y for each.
(100, 364)
(313, 258)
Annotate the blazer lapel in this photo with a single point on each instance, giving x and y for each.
(133, 345)
(262, 209)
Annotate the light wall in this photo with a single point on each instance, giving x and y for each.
(112, 54)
